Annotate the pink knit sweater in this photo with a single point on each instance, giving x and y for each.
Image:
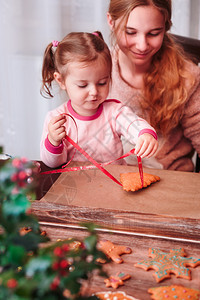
(99, 135)
(176, 150)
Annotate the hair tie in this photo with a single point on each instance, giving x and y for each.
(55, 43)
(95, 33)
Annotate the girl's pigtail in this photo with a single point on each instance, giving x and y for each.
(98, 41)
(99, 34)
(48, 69)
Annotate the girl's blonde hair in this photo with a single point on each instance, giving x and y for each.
(76, 46)
(165, 90)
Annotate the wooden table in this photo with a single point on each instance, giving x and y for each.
(165, 216)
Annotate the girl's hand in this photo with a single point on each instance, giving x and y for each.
(57, 130)
(146, 145)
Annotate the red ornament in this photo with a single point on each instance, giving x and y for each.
(22, 175)
(16, 163)
(64, 264)
(54, 285)
(14, 177)
(65, 247)
(55, 265)
(12, 283)
(58, 251)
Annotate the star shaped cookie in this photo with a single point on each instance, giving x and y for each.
(166, 264)
(117, 280)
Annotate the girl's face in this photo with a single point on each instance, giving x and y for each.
(142, 36)
(87, 85)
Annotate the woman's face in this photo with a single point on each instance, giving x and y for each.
(143, 34)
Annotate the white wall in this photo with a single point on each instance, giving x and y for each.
(26, 27)
(186, 18)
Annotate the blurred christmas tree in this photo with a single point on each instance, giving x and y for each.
(27, 269)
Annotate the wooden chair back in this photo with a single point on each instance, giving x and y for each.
(192, 48)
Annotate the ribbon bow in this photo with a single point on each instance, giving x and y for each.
(55, 43)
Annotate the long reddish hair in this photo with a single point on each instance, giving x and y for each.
(165, 90)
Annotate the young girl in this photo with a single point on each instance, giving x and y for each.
(81, 65)
(151, 74)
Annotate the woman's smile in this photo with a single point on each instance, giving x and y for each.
(140, 55)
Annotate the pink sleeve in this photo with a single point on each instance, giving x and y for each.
(53, 149)
(51, 156)
(150, 131)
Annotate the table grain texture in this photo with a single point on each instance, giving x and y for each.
(166, 215)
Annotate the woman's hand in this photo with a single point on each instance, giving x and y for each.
(146, 145)
(57, 130)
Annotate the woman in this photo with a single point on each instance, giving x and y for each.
(154, 77)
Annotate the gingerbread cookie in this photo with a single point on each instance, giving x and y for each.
(117, 280)
(114, 296)
(75, 245)
(166, 264)
(132, 182)
(24, 230)
(174, 292)
(113, 251)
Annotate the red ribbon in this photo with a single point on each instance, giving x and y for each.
(99, 166)
(94, 162)
(140, 169)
